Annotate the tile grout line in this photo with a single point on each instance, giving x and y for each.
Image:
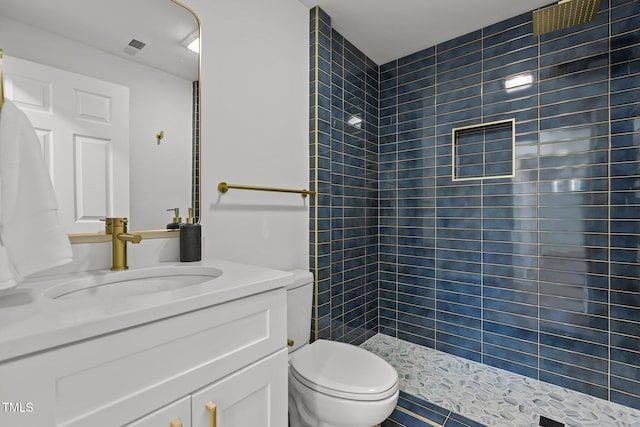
(482, 189)
(436, 270)
(420, 417)
(538, 246)
(609, 323)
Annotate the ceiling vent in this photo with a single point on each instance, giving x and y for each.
(135, 47)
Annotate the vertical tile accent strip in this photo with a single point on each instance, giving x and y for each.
(320, 123)
(314, 184)
(315, 181)
(609, 222)
(195, 147)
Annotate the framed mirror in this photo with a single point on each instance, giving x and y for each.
(112, 89)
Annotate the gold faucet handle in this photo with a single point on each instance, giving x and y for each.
(128, 237)
(110, 223)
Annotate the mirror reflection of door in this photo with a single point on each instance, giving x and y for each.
(140, 45)
(83, 126)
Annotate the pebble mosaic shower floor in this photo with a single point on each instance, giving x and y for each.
(492, 396)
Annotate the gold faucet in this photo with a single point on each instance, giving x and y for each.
(117, 227)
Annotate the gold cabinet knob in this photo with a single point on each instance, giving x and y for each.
(290, 342)
(176, 423)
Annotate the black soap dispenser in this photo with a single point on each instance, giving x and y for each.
(177, 221)
(190, 240)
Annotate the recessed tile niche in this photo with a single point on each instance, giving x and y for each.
(484, 151)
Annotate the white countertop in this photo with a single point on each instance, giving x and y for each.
(31, 321)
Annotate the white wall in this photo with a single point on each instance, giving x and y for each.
(160, 174)
(254, 82)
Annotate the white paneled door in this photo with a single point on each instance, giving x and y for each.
(83, 126)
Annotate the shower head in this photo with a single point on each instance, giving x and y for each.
(566, 13)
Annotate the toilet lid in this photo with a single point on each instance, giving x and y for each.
(344, 370)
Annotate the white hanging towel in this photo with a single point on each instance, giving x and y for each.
(31, 236)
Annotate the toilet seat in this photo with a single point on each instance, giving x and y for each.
(344, 370)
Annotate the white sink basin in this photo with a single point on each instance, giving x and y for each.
(130, 283)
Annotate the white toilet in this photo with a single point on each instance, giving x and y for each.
(332, 384)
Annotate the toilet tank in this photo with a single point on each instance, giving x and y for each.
(299, 303)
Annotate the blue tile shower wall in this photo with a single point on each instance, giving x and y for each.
(537, 274)
(346, 148)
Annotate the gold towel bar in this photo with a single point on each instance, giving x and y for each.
(223, 187)
(1, 88)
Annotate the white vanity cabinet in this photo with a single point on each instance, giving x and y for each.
(232, 354)
(176, 414)
(244, 398)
